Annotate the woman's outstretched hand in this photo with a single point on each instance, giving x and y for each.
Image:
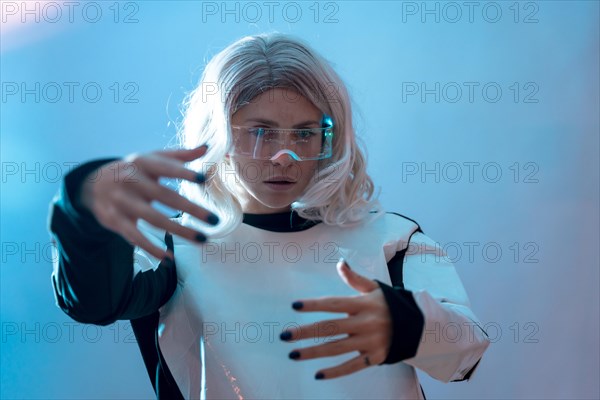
(121, 192)
(368, 326)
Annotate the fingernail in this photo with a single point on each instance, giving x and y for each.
(294, 355)
(343, 263)
(205, 146)
(319, 375)
(212, 219)
(200, 178)
(200, 238)
(297, 305)
(285, 335)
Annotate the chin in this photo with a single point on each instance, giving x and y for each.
(278, 204)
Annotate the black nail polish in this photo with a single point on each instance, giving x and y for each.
(319, 375)
(200, 238)
(294, 355)
(297, 305)
(200, 178)
(285, 335)
(212, 219)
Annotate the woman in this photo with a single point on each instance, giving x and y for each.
(236, 302)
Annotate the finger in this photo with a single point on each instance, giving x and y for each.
(354, 279)
(129, 231)
(157, 166)
(329, 349)
(185, 155)
(154, 217)
(340, 304)
(170, 198)
(320, 329)
(349, 367)
(151, 190)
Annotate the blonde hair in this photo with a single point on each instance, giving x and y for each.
(340, 193)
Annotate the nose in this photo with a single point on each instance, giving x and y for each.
(283, 159)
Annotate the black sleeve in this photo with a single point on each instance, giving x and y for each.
(407, 319)
(93, 271)
(407, 322)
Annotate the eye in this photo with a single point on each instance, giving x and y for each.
(305, 133)
(258, 131)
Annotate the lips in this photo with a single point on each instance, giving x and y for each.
(280, 184)
(280, 179)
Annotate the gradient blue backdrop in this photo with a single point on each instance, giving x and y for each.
(541, 305)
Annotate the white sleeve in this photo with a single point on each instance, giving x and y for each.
(452, 341)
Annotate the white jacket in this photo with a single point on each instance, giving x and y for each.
(219, 332)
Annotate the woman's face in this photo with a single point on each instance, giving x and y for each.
(276, 108)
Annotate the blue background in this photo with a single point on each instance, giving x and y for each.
(541, 305)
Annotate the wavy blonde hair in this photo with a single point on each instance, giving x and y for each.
(340, 193)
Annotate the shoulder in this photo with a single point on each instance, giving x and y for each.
(404, 219)
(391, 226)
(397, 221)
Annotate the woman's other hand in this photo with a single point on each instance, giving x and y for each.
(368, 326)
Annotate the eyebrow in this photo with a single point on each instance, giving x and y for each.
(275, 124)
